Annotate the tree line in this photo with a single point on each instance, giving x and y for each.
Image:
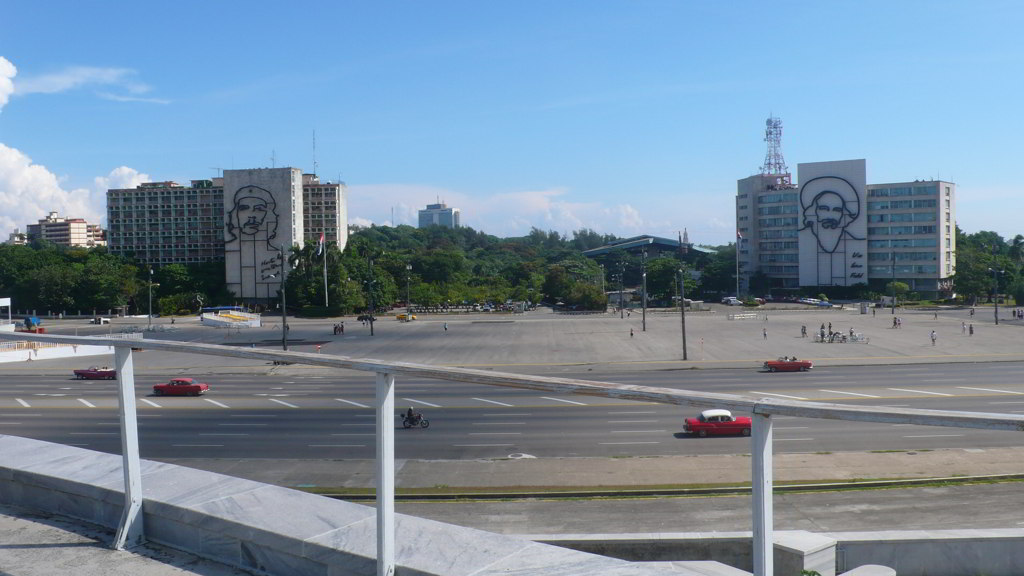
(437, 267)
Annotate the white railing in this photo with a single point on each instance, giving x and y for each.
(130, 532)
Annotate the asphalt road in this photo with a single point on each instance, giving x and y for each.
(273, 416)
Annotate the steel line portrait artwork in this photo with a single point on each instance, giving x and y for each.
(830, 206)
(252, 225)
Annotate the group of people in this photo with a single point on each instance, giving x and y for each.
(897, 322)
(339, 328)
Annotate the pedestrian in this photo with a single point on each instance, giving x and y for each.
(445, 326)
(803, 331)
(963, 327)
(873, 312)
(936, 317)
(894, 322)
(764, 332)
(972, 312)
(970, 329)
(341, 328)
(934, 336)
(630, 332)
(829, 327)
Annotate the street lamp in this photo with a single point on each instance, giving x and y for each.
(643, 265)
(622, 306)
(682, 309)
(149, 322)
(408, 302)
(995, 290)
(372, 307)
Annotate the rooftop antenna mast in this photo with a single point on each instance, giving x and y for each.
(774, 163)
(314, 153)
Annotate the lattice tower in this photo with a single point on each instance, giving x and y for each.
(773, 161)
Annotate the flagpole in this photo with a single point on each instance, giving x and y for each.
(322, 249)
(739, 238)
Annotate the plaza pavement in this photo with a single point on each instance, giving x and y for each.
(545, 343)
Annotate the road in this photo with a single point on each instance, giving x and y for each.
(312, 417)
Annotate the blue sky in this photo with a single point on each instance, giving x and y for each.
(622, 117)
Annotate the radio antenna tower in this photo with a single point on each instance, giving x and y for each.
(774, 164)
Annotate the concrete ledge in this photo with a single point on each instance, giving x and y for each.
(996, 552)
(267, 529)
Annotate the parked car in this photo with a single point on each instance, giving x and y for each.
(181, 387)
(731, 301)
(717, 422)
(96, 373)
(788, 364)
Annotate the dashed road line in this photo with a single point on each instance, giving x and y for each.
(86, 402)
(850, 393)
(989, 390)
(499, 423)
(631, 421)
(494, 402)
(215, 403)
(625, 443)
(150, 402)
(23, 403)
(283, 403)
(561, 400)
(480, 445)
(779, 395)
(936, 436)
(356, 404)
(919, 392)
(638, 431)
(415, 401)
(336, 445)
(495, 434)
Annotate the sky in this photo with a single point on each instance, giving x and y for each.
(622, 117)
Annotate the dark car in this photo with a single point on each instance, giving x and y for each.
(366, 318)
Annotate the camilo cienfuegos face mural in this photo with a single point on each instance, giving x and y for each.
(832, 213)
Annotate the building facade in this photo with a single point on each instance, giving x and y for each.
(66, 231)
(439, 215)
(834, 229)
(324, 210)
(163, 223)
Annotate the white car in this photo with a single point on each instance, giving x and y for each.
(732, 301)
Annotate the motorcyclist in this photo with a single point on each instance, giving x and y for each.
(410, 415)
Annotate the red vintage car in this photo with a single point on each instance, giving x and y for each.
(96, 373)
(717, 423)
(181, 387)
(788, 364)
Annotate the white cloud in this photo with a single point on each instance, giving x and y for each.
(122, 79)
(7, 73)
(28, 192)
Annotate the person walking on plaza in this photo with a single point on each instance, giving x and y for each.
(764, 332)
(630, 332)
(970, 329)
(963, 327)
(934, 336)
(445, 326)
(803, 331)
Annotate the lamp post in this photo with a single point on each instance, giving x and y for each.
(682, 310)
(892, 283)
(284, 303)
(408, 303)
(149, 322)
(622, 306)
(372, 307)
(643, 265)
(995, 290)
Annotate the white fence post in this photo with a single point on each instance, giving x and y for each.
(764, 538)
(130, 532)
(385, 474)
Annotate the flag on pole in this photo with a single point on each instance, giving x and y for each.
(738, 235)
(320, 245)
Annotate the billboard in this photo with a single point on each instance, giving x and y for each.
(833, 223)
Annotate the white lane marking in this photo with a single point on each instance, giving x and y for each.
(360, 424)
(354, 434)
(942, 380)
(10, 423)
(850, 393)
(283, 403)
(499, 423)
(150, 402)
(222, 434)
(620, 413)
(197, 445)
(919, 392)
(495, 433)
(493, 402)
(1000, 402)
(989, 390)
(336, 445)
(566, 401)
(415, 401)
(357, 404)
(215, 403)
(18, 415)
(794, 439)
(86, 402)
(631, 421)
(23, 403)
(505, 415)
(936, 436)
(638, 431)
(479, 445)
(95, 433)
(252, 415)
(779, 395)
(245, 424)
(791, 427)
(624, 443)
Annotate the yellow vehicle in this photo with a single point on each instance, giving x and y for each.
(402, 317)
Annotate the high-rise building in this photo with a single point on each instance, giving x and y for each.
(66, 231)
(439, 215)
(834, 229)
(325, 210)
(167, 223)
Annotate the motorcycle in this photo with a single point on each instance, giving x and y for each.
(416, 420)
